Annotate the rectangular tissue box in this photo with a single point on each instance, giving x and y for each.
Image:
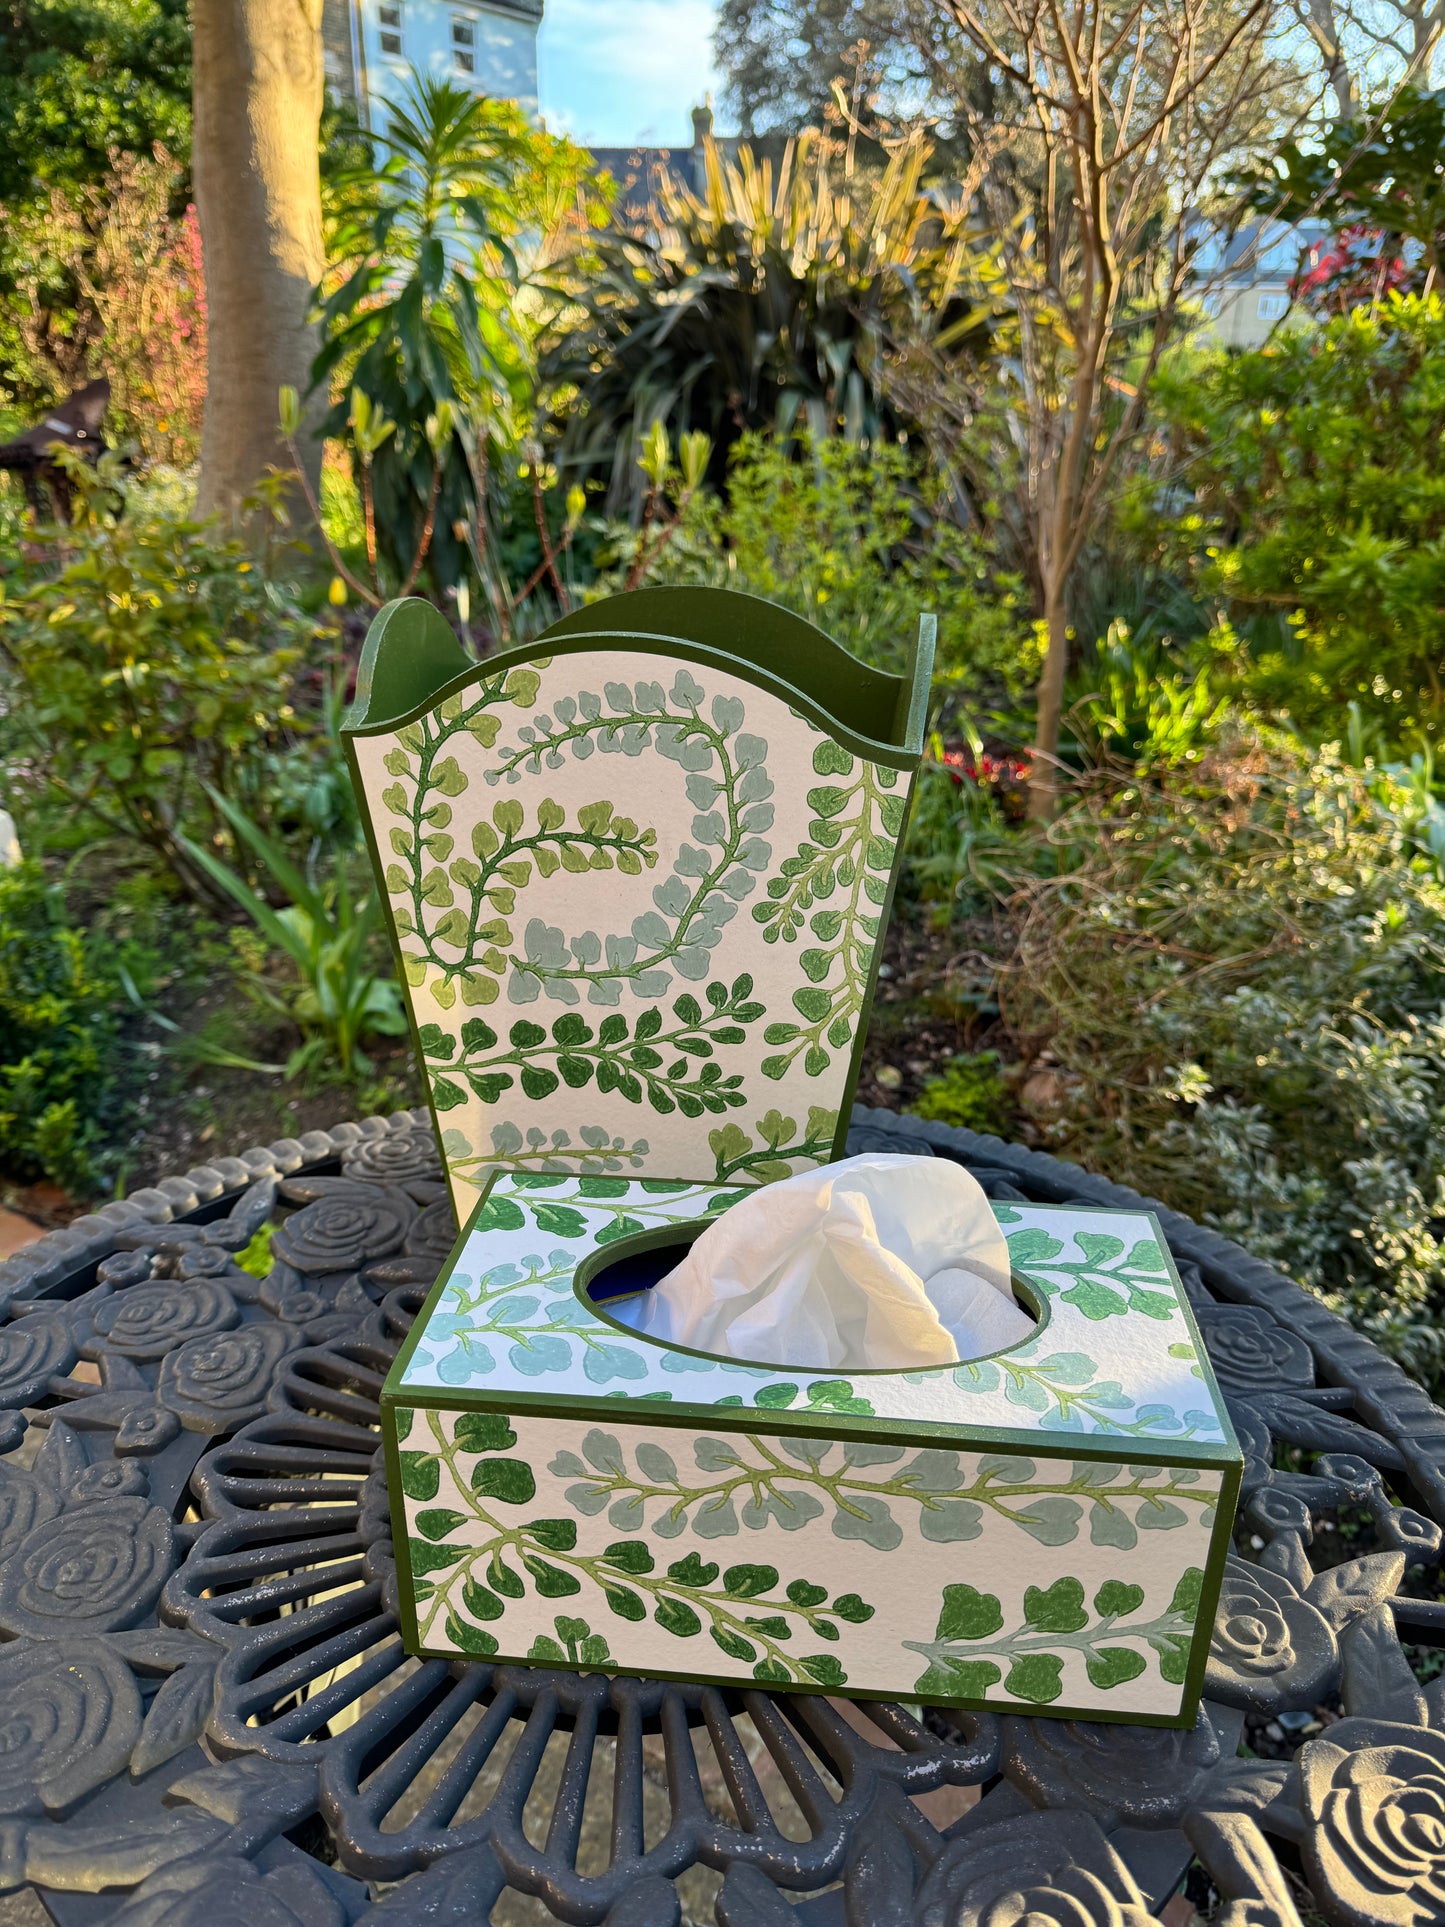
(1044, 1529)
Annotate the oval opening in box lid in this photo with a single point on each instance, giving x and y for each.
(623, 1271)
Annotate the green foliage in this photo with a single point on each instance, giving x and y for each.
(107, 276)
(860, 540)
(1142, 713)
(338, 998)
(150, 665)
(424, 354)
(761, 302)
(1318, 512)
(1384, 170)
(962, 848)
(82, 79)
(59, 1038)
(970, 1095)
(1240, 975)
(782, 57)
(85, 86)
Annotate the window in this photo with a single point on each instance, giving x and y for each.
(464, 40)
(390, 18)
(1272, 306)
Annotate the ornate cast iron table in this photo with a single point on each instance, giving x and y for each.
(206, 1716)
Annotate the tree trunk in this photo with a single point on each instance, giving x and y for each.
(1044, 779)
(257, 99)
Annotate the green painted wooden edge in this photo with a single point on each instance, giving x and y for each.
(1226, 1457)
(917, 720)
(410, 648)
(398, 963)
(755, 631)
(411, 660)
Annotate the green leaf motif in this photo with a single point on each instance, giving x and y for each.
(1109, 1666)
(1052, 1520)
(1059, 1609)
(420, 1474)
(691, 1571)
(438, 1522)
(551, 1581)
(733, 1643)
(1036, 1677)
(468, 1638)
(425, 1557)
(850, 1607)
(556, 1535)
(481, 1603)
(1188, 1592)
(967, 1613)
(509, 1480)
(1115, 1599)
(623, 1601)
(958, 1679)
(748, 1581)
(629, 1555)
(483, 1432)
(677, 1617)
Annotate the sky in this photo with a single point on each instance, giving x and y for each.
(615, 72)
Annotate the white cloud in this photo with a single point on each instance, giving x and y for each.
(618, 71)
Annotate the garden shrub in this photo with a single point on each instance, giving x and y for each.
(1240, 974)
(858, 540)
(108, 279)
(969, 1094)
(154, 660)
(60, 1046)
(1317, 517)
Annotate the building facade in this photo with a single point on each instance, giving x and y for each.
(374, 48)
(1250, 277)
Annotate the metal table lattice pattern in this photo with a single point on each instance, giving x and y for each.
(206, 1715)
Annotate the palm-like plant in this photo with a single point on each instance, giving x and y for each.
(758, 303)
(417, 320)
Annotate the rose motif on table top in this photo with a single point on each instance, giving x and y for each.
(1271, 1650)
(1374, 1795)
(70, 1714)
(1074, 1899)
(1276, 1510)
(398, 1158)
(24, 1502)
(1142, 1776)
(124, 1268)
(1051, 1869)
(1250, 1351)
(95, 1568)
(216, 1383)
(231, 1892)
(434, 1233)
(108, 1479)
(341, 1233)
(205, 1261)
(1256, 1444)
(33, 1350)
(147, 1321)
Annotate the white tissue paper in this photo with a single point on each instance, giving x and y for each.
(885, 1262)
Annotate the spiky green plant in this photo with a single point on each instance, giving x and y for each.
(758, 302)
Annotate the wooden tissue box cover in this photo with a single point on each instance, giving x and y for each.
(1043, 1530)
